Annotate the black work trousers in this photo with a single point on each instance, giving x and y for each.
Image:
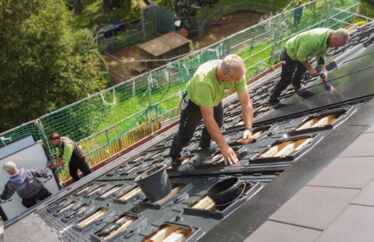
(292, 72)
(190, 118)
(42, 194)
(78, 163)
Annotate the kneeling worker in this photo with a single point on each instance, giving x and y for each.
(205, 91)
(312, 43)
(24, 182)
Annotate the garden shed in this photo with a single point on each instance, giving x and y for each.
(164, 47)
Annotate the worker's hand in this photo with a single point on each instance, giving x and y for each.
(313, 72)
(324, 76)
(229, 155)
(59, 164)
(247, 137)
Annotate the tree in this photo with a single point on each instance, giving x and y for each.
(45, 65)
(123, 4)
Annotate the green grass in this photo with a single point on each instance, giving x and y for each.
(136, 103)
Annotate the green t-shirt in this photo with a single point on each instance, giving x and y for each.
(204, 89)
(309, 44)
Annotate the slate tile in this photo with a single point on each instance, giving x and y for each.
(354, 224)
(362, 146)
(347, 172)
(273, 231)
(370, 130)
(314, 207)
(366, 196)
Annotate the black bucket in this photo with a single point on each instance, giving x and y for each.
(154, 183)
(225, 191)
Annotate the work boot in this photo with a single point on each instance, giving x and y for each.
(276, 103)
(175, 164)
(178, 163)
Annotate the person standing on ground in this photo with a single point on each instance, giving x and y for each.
(202, 100)
(25, 183)
(67, 151)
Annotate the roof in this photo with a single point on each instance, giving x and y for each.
(163, 44)
(305, 188)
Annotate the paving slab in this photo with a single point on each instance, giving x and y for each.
(346, 172)
(362, 146)
(273, 231)
(354, 224)
(314, 207)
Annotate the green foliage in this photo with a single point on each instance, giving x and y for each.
(95, 14)
(44, 64)
(367, 8)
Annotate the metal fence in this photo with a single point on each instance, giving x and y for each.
(158, 20)
(115, 118)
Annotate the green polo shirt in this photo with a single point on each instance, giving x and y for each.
(204, 89)
(309, 44)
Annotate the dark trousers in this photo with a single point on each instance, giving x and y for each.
(42, 194)
(292, 72)
(190, 119)
(78, 163)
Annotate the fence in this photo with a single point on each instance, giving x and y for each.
(158, 20)
(113, 119)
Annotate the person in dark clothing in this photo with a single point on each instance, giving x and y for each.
(67, 151)
(24, 182)
(203, 101)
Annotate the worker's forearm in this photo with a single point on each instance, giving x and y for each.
(214, 131)
(307, 66)
(58, 159)
(7, 193)
(247, 115)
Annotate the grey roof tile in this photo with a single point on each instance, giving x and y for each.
(348, 172)
(273, 231)
(362, 146)
(314, 207)
(354, 224)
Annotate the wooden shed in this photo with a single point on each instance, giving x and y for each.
(164, 47)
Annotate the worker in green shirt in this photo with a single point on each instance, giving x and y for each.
(202, 100)
(312, 43)
(67, 151)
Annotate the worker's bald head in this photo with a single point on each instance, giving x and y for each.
(338, 38)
